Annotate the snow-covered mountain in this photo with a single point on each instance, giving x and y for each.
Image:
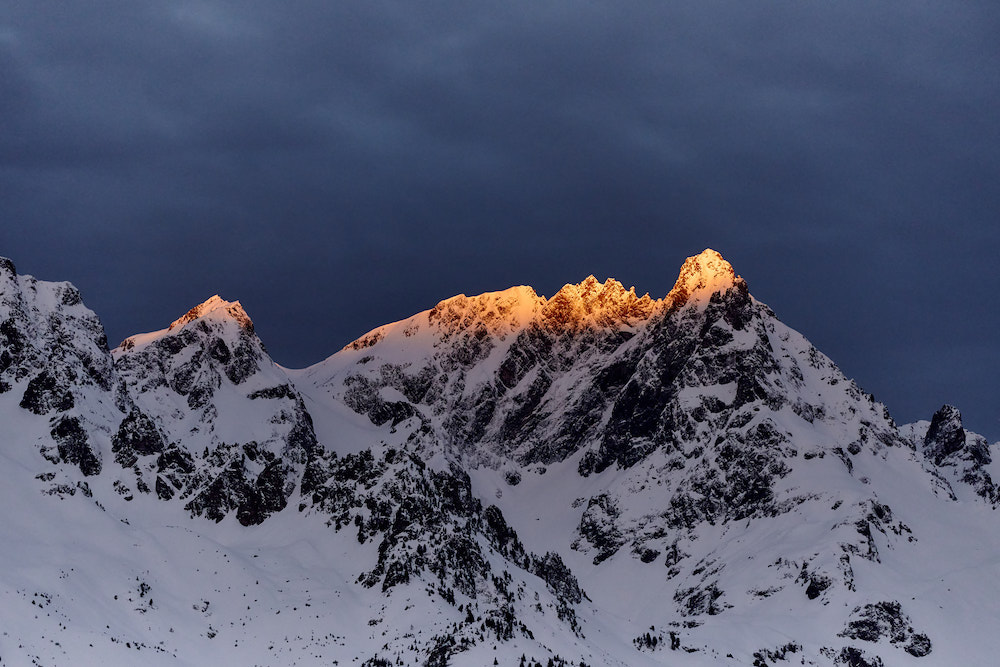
(593, 478)
(205, 389)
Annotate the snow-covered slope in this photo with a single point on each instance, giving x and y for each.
(593, 478)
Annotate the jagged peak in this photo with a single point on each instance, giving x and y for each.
(701, 276)
(945, 423)
(596, 303)
(215, 305)
(591, 288)
(948, 412)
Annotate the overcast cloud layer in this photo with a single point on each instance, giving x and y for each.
(337, 165)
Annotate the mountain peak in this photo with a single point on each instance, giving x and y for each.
(215, 304)
(703, 275)
(596, 303)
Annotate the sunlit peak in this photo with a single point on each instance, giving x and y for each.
(215, 304)
(702, 276)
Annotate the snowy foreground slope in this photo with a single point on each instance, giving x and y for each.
(594, 478)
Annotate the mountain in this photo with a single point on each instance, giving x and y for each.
(227, 429)
(594, 478)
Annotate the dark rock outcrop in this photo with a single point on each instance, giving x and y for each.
(74, 445)
(873, 622)
(945, 435)
(137, 436)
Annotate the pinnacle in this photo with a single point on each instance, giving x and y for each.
(945, 436)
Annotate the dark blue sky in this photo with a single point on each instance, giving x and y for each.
(339, 165)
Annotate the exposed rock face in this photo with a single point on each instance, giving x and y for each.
(137, 436)
(945, 435)
(45, 394)
(887, 620)
(684, 350)
(598, 527)
(74, 446)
